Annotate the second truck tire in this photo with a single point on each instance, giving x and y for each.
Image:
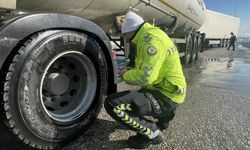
(188, 48)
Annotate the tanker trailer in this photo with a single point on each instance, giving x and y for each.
(57, 65)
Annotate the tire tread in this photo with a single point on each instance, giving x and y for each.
(11, 70)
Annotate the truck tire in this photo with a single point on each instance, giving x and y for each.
(226, 43)
(223, 43)
(54, 88)
(194, 49)
(198, 47)
(188, 48)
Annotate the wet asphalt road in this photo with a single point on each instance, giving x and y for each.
(215, 116)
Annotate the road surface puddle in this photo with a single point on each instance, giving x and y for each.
(226, 73)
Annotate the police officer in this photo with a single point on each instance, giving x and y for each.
(159, 74)
(232, 41)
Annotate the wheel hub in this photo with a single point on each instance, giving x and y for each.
(57, 83)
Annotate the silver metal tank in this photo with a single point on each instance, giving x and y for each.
(190, 13)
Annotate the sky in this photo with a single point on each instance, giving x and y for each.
(228, 7)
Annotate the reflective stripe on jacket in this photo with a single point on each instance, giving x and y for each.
(157, 64)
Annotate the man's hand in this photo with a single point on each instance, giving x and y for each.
(123, 71)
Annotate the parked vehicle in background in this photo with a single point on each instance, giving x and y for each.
(217, 28)
(57, 64)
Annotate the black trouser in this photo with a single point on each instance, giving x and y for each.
(130, 107)
(231, 44)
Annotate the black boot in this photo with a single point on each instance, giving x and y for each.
(141, 141)
(162, 125)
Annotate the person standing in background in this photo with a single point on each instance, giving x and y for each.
(232, 41)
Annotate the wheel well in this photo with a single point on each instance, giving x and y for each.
(112, 87)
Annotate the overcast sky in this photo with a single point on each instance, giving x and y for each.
(228, 7)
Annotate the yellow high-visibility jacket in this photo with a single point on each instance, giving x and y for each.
(157, 64)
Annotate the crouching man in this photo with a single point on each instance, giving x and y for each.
(158, 72)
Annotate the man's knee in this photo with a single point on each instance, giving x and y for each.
(108, 104)
(112, 100)
(141, 106)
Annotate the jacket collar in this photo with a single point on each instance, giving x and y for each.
(139, 32)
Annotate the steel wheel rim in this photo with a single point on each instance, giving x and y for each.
(76, 73)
